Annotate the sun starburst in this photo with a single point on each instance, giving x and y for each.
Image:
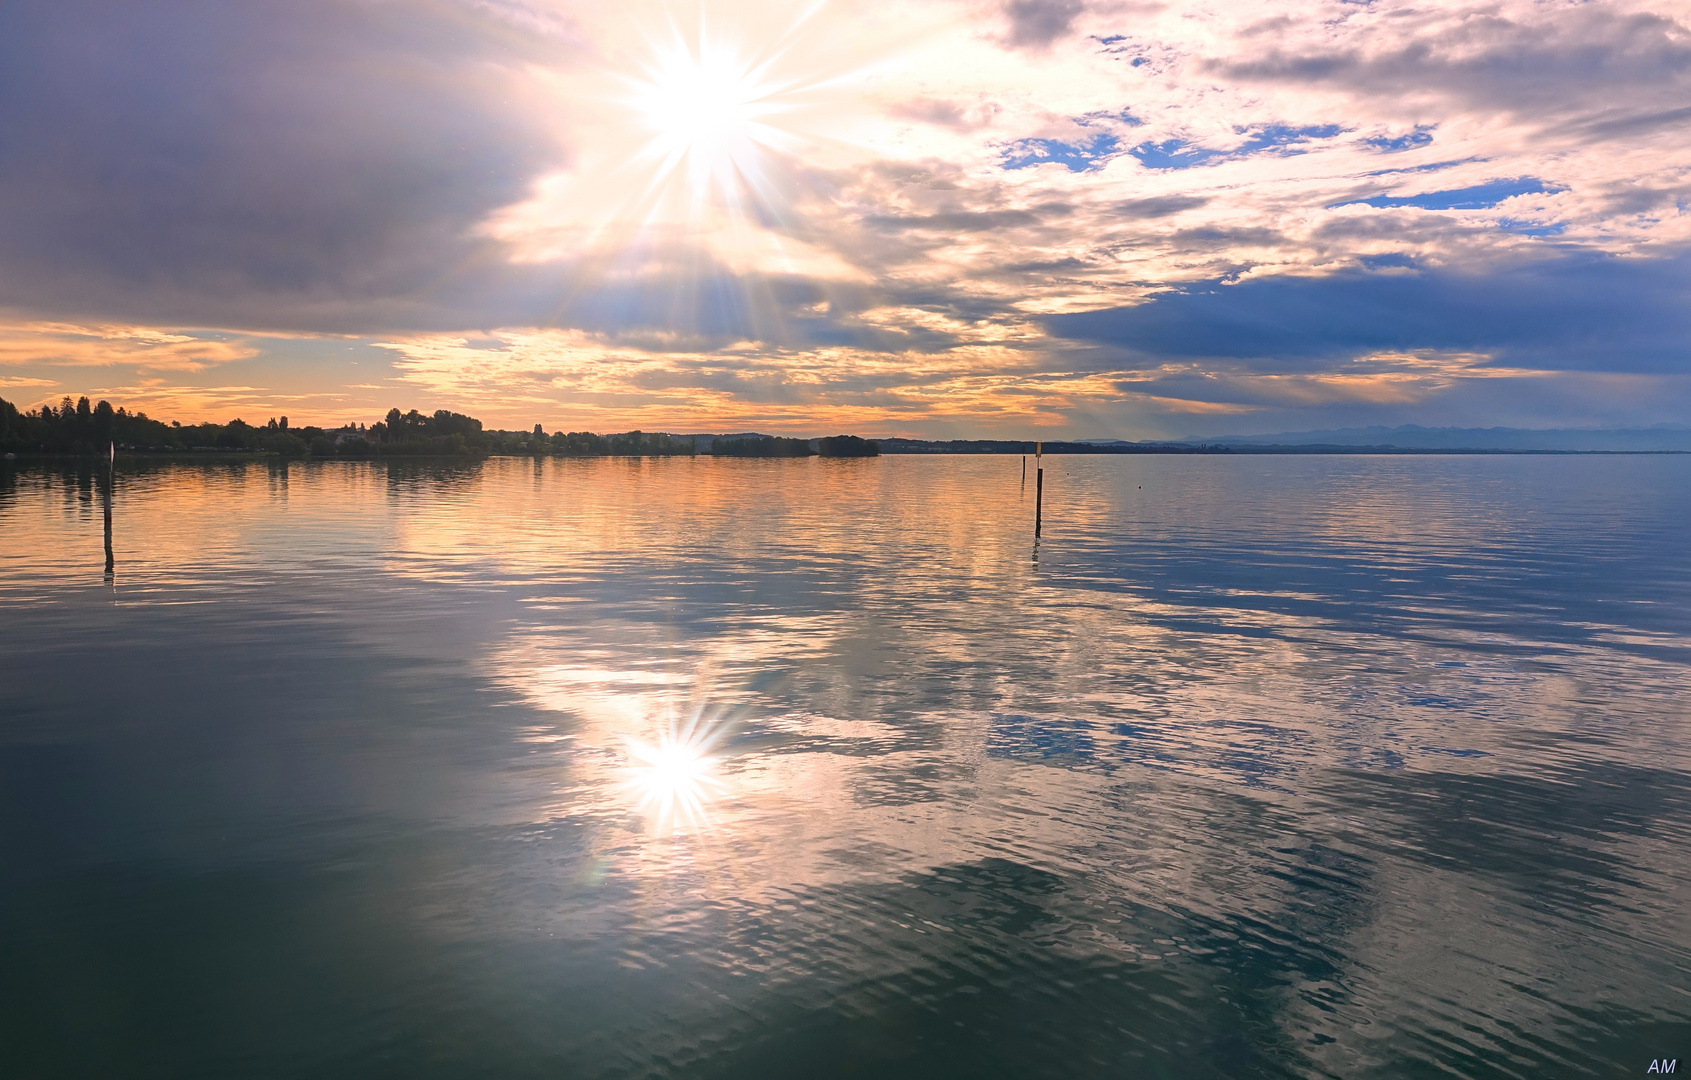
(708, 111)
(676, 777)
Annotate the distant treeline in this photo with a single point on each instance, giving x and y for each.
(775, 446)
(83, 428)
(80, 427)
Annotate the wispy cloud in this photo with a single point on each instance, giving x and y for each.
(145, 348)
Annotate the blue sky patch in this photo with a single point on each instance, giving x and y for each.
(1388, 261)
(1173, 154)
(1273, 136)
(1531, 228)
(1180, 154)
(1421, 136)
(1077, 157)
(1479, 197)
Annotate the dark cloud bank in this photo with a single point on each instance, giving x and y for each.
(271, 165)
(1583, 313)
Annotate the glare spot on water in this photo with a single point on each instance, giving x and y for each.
(676, 777)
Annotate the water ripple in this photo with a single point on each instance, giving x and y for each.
(1252, 766)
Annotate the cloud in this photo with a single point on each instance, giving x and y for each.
(985, 213)
(965, 221)
(1375, 379)
(145, 348)
(547, 374)
(1529, 60)
(945, 113)
(1037, 23)
(272, 166)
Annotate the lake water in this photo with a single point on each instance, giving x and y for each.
(1253, 766)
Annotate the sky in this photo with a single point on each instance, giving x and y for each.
(935, 218)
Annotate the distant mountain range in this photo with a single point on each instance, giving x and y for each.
(1407, 438)
(1414, 437)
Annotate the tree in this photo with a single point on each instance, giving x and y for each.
(846, 446)
(766, 446)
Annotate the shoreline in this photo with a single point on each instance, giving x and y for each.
(232, 456)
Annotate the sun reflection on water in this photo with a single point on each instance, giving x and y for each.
(676, 777)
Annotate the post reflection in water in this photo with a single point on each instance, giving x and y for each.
(1293, 767)
(106, 485)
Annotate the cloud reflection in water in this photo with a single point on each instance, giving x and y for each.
(1371, 759)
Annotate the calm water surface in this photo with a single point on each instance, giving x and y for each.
(1256, 766)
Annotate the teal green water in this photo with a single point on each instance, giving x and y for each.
(1254, 766)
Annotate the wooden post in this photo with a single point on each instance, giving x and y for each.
(1038, 489)
(1038, 500)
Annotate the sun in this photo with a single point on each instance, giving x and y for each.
(697, 145)
(707, 111)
